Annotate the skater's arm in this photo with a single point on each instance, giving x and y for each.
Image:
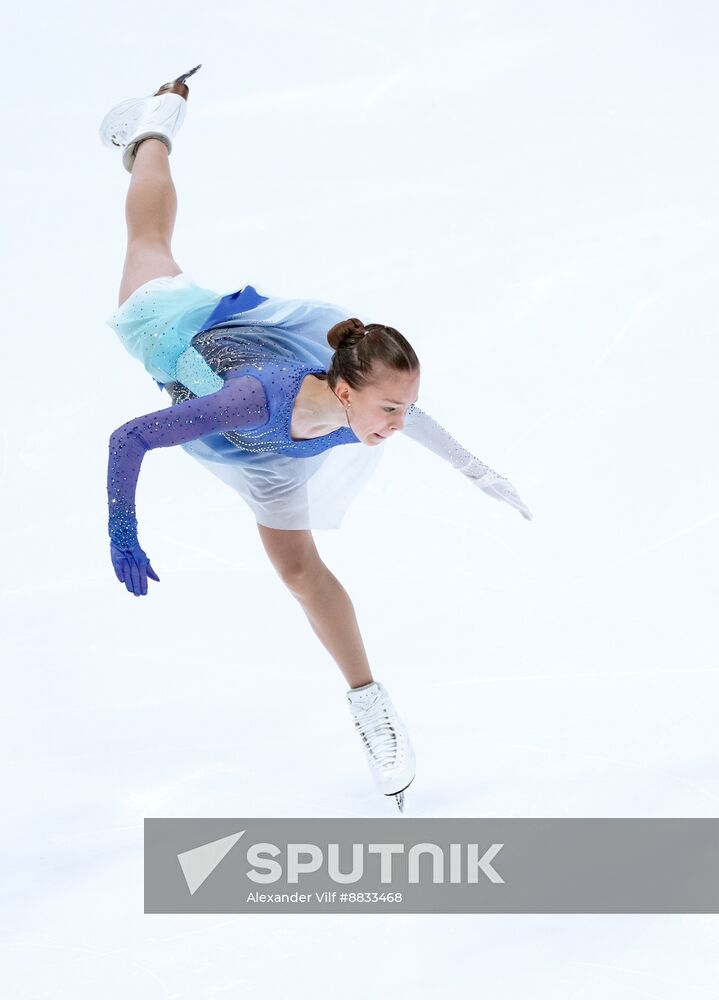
(423, 429)
(239, 405)
(426, 431)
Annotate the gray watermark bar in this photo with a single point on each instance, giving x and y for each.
(404, 865)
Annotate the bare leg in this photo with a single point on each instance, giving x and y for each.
(150, 212)
(324, 600)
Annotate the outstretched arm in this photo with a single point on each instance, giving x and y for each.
(426, 431)
(239, 404)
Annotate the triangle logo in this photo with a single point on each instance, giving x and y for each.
(199, 863)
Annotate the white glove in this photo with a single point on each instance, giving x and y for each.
(426, 431)
(494, 485)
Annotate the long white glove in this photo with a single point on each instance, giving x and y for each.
(426, 431)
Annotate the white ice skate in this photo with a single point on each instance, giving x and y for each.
(156, 117)
(386, 741)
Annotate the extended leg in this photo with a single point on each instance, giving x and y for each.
(324, 600)
(150, 212)
(329, 610)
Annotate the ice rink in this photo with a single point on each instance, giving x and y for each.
(529, 193)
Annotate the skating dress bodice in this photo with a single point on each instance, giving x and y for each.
(252, 412)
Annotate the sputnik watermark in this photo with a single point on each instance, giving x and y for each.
(432, 865)
(395, 861)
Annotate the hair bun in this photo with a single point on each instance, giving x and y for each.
(346, 334)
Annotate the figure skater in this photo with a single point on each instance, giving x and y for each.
(287, 401)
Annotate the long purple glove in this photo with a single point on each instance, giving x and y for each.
(240, 404)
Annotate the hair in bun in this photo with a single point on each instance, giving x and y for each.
(361, 351)
(346, 334)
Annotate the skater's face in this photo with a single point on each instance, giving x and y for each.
(378, 410)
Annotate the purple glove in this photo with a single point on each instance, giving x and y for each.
(132, 567)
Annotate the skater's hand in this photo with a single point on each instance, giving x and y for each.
(132, 567)
(496, 486)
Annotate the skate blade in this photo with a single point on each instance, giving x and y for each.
(189, 73)
(178, 85)
(399, 796)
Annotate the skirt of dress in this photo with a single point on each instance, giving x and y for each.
(311, 493)
(157, 323)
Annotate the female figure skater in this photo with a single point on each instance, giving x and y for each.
(288, 401)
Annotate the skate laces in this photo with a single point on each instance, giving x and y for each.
(375, 726)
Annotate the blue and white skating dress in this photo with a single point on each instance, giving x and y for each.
(191, 337)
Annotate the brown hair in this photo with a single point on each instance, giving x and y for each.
(359, 348)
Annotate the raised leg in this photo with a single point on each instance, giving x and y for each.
(324, 600)
(150, 212)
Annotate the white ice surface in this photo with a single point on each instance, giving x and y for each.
(527, 191)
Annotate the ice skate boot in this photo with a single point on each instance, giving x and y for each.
(385, 738)
(156, 117)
